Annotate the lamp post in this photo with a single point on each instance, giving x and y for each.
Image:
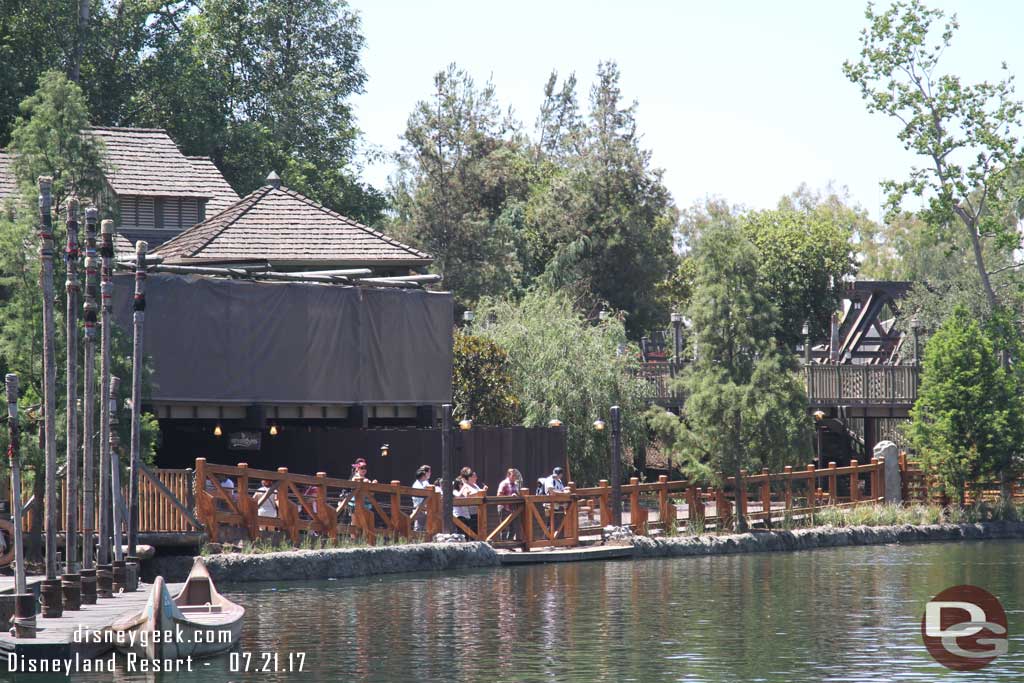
(616, 464)
(915, 328)
(677, 336)
(807, 342)
(467, 318)
(819, 415)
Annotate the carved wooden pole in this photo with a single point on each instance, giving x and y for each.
(447, 469)
(106, 321)
(52, 606)
(138, 322)
(71, 580)
(115, 469)
(89, 412)
(24, 602)
(616, 467)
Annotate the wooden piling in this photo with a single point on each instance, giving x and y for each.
(106, 324)
(115, 477)
(88, 411)
(52, 606)
(24, 602)
(138, 322)
(71, 581)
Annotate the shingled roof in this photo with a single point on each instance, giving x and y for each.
(208, 177)
(281, 226)
(146, 162)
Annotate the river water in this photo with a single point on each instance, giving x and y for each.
(844, 614)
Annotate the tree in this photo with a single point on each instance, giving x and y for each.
(602, 221)
(567, 368)
(745, 406)
(967, 422)
(462, 171)
(482, 382)
(261, 85)
(965, 132)
(802, 258)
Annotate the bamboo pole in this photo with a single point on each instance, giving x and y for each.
(52, 606)
(115, 469)
(106, 322)
(71, 339)
(89, 392)
(138, 323)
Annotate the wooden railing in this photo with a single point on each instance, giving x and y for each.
(659, 376)
(851, 385)
(165, 502)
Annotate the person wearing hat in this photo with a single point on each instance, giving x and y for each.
(554, 484)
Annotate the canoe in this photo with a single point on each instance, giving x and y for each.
(198, 622)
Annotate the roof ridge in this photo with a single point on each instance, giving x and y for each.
(128, 128)
(390, 240)
(251, 198)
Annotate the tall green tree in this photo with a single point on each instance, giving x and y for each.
(602, 221)
(966, 133)
(803, 257)
(745, 406)
(463, 171)
(261, 85)
(968, 422)
(568, 368)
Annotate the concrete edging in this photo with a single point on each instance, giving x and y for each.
(821, 537)
(308, 565)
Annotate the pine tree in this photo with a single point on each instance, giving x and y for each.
(967, 423)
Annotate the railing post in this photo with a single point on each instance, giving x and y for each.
(396, 508)
(788, 474)
(667, 516)
(527, 515)
(246, 505)
(812, 489)
(854, 482)
(698, 513)
(766, 497)
(606, 517)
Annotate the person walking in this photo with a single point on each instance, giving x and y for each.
(419, 508)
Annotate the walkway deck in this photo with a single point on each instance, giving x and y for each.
(55, 638)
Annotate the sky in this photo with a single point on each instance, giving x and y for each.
(738, 99)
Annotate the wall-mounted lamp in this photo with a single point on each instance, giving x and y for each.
(273, 430)
(554, 422)
(465, 425)
(385, 451)
(217, 431)
(599, 425)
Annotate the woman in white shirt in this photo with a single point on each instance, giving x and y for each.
(466, 513)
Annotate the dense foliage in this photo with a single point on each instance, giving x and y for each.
(568, 368)
(968, 422)
(482, 382)
(745, 405)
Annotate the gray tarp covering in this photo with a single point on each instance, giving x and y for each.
(217, 340)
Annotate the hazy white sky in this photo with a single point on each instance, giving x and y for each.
(737, 98)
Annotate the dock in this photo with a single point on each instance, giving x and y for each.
(579, 554)
(55, 638)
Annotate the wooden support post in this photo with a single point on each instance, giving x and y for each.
(812, 488)
(106, 331)
(138, 323)
(741, 501)
(328, 519)
(788, 474)
(71, 286)
(880, 493)
(24, 602)
(833, 493)
(874, 479)
(89, 411)
(527, 516)
(51, 592)
(636, 517)
(447, 469)
(854, 482)
(666, 511)
(723, 509)
(616, 466)
(606, 513)
(115, 474)
(766, 498)
(396, 508)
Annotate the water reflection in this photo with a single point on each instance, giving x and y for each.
(848, 614)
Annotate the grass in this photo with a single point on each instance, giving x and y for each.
(917, 514)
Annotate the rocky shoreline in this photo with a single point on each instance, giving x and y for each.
(351, 562)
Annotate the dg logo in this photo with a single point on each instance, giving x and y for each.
(964, 628)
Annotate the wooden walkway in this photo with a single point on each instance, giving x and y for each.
(55, 638)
